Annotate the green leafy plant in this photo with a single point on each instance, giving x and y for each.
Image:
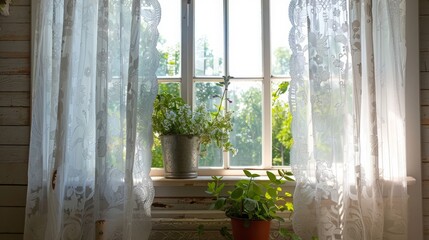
(254, 200)
(200, 231)
(172, 116)
(225, 233)
(251, 199)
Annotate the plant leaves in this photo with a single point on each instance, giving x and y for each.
(289, 206)
(248, 174)
(272, 193)
(271, 176)
(225, 233)
(237, 193)
(289, 179)
(250, 205)
(220, 202)
(256, 189)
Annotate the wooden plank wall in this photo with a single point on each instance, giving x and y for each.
(424, 102)
(14, 117)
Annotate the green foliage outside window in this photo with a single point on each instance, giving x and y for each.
(246, 136)
(281, 126)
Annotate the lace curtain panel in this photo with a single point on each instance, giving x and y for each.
(347, 101)
(94, 84)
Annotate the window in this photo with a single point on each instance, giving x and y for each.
(201, 41)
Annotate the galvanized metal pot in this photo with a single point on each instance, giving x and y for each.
(181, 154)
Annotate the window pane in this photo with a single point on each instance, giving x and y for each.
(169, 39)
(172, 88)
(204, 92)
(209, 38)
(246, 104)
(281, 124)
(245, 38)
(280, 28)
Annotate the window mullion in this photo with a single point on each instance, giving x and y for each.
(225, 155)
(226, 35)
(266, 100)
(187, 51)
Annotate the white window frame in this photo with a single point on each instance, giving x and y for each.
(188, 79)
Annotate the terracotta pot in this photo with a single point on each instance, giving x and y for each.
(245, 229)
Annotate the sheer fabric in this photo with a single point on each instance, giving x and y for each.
(94, 85)
(347, 101)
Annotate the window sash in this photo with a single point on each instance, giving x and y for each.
(188, 81)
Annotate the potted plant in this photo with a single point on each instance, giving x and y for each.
(184, 130)
(252, 205)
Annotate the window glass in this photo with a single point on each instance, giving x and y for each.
(279, 27)
(246, 97)
(245, 38)
(205, 93)
(280, 124)
(169, 39)
(209, 38)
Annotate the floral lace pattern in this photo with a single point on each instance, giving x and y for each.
(347, 71)
(94, 84)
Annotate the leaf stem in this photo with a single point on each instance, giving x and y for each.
(225, 89)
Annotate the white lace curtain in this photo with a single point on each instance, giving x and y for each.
(347, 100)
(94, 84)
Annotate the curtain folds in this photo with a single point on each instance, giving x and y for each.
(94, 84)
(347, 100)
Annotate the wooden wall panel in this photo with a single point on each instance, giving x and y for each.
(13, 154)
(13, 173)
(424, 97)
(15, 100)
(424, 101)
(424, 80)
(13, 196)
(12, 236)
(18, 14)
(424, 7)
(425, 171)
(14, 31)
(21, 3)
(424, 61)
(15, 135)
(424, 115)
(11, 220)
(15, 116)
(424, 33)
(14, 66)
(15, 83)
(14, 49)
(425, 152)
